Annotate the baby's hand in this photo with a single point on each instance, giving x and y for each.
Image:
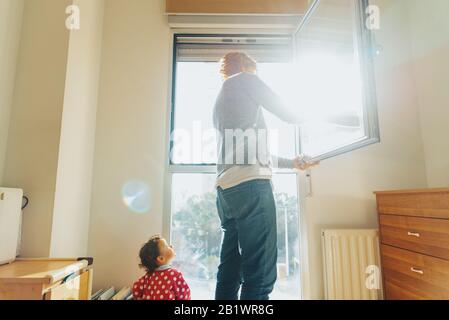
(304, 162)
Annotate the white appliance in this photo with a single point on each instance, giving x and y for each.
(10, 215)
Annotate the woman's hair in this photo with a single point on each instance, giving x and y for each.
(236, 62)
(149, 253)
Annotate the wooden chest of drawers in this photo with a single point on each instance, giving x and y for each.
(414, 236)
(46, 279)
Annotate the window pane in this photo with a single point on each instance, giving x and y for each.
(329, 78)
(288, 285)
(196, 233)
(197, 86)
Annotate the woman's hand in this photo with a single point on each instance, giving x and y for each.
(304, 162)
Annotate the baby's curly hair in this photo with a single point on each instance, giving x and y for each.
(149, 253)
(236, 62)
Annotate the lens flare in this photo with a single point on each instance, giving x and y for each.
(136, 196)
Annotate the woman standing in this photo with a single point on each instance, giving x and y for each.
(245, 200)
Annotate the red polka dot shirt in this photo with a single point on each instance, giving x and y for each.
(168, 284)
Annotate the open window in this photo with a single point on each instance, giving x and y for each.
(335, 79)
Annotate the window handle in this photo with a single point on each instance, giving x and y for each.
(309, 183)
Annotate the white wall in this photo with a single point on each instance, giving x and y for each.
(33, 141)
(429, 27)
(52, 129)
(70, 226)
(11, 12)
(130, 139)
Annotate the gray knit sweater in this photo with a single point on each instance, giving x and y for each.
(241, 129)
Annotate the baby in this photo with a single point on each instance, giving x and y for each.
(161, 281)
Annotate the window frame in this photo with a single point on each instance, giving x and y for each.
(172, 169)
(365, 41)
(205, 167)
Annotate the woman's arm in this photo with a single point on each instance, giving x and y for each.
(299, 163)
(269, 100)
(262, 94)
(282, 163)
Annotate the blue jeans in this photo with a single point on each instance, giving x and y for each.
(249, 247)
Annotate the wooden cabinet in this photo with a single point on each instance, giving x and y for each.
(410, 275)
(414, 236)
(46, 279)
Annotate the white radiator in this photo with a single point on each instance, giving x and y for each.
(351, 262)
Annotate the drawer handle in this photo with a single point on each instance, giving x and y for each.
(417, 270)
(413, 234)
